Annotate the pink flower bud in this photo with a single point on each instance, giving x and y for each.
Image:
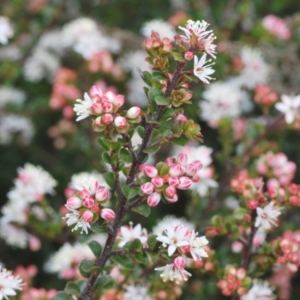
(252, 204)
(191, 169)
(172, 199)
(107, 106)
(179, 262)
(102, 194)
(116, 100)
(294, 200)
(176, 170)
(87, 216)
(169, 161)
(133, 112)
(107, 214)
(147, 188)
(170, 191)
(184, 183)
(73, 203)
(96, 108)
(153, 199)
(189, 55)
(88, 202)
(34, 243)
(107, 119)
(150, 171)
(181, 118)
(182, 158)
(96, 92)
(198, 164)
(120, 122)
(157, 181)
(174, 181)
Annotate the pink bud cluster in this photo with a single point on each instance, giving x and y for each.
(104, 107)
(234, 282)
(156, 44)
(86, 205)
(289, 250)
(164, 179)
(276, 26)
(278, 166)
(264, 95)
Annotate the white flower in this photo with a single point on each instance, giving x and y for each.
(136, 292)
(202, 71)
(225, 100)
(128, 234)
(13, 235)
(6, 30)
(11, 95)
(172, 222)
(75, 218)
(196, 246)
(78, 181)
(174, 271)
(9, 284)
(259, 291)
(267, 216)
(164, 29)
(174, 238)
(197, 28)
(10, 124)
(255, 70)
(290, 107)
(67, 258)
(83, 108)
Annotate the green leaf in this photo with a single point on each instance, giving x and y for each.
(142, 209)
(95, 247)
(123, 261)
(86, 267)
(130, 192)
(72, 288)
(162, 168)
(182, 141)
(154, 93)
(167, 114)
(135, 245)
(147, 77)
(141, 131)
(216, 221)
(106, 157)
(62, 296)
(240, 213)
(160, 100)
(141, 258)
(98, 228)
(152, 241)
(177, 56)
(152, 150)
(110, 179)
(103, 143)
(125, 156)
(158, 75)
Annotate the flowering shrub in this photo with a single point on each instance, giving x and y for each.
(150, 160)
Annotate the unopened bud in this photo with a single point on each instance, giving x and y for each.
(153, 199)
(73, 203)
(134, 112)
(87, 216)
(107, 214)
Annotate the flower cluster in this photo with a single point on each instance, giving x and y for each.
(9, 284)
(184, 243)
(86, 204)
(6, 30)
(31, 186)
(165, 178)
(276, 26)
(259, 290)
(66, 260)
(277, 167)
(287, 249)
(234, 281)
